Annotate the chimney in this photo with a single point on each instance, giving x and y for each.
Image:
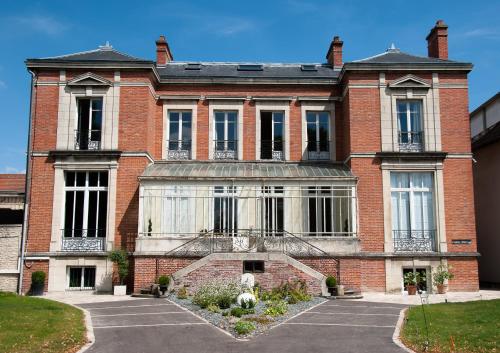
(334, 55)
(163, 54)
(437, 41)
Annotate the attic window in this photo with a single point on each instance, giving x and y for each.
(193, 66)
(309, 68)
(249, 67)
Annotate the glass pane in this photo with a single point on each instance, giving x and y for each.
(83, 115)
(93, 178)
(417, 208)
(231, 131)
(97, 104)
(70, 178)
(428, 211)
(219, 117)
(174, 117)
(89, 277)
(278, 131)
(400, 180)
(427, 180)
(311, 136)
(80, 178)
(186, 130)
(103, 211)
(232, 117)
(311, 117)
(278, 117)
(96, 119)
(173, 131)
(103, 179)
(78, 224)
(75, 277)
(92, 214)
(68, 213)
(219, 131)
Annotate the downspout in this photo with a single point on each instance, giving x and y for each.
(27, 188)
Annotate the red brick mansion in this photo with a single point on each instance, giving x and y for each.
(200, 170)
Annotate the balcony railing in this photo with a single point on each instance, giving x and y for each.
(410, 141)
(87, 139)
(414, 240)
(178, 150)
(273, 150)
(83, 240)
(226, 149)
(318, 150)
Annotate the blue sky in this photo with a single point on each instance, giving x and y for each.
(266, 31)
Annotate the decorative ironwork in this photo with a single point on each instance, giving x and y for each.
(179, 150)
(87, 139)
(410, 141)
(82, 244)
(226, 149)
(414, 240)
(273, 150)
(318, 150)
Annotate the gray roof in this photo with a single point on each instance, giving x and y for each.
(230, 70)
(395, 56)
(245, 170)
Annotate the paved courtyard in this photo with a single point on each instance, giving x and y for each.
(158, 325)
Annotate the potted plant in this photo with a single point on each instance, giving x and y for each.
(441, 275)
(331, 284)
(120, 259)
(411, 280)
(163, 281)
(37, 282)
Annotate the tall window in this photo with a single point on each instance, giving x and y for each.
(81, 278)
(178, 211)
(318, 135)
(226, 137)
(225, 210)
(88, 134)
(271, 135)
(179, 135)
(410, 125)
(412, 205)
(86, 204)
(273, 215)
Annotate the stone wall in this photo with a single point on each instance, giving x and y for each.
(10, 236)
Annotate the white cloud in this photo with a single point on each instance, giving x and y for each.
(229, 27)
(41, 23)
(13, 170)
(3, 84)
(487, 33)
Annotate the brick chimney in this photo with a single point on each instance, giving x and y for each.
(437, 41)
(163, 54)
(334, 55)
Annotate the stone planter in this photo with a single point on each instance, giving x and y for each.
(340, 289)
(120, 290)
(412, 289)
(441, 288)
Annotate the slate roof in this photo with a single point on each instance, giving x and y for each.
(12, 183)
(230, 70)
(245, 170)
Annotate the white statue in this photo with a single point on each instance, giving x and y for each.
(247, 279)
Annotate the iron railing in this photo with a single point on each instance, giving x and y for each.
(87, 139)
(318, 150)
(414, 240)
(410, 141)
(226, 149)
(271, 149)
(179, 149)
(82, 240)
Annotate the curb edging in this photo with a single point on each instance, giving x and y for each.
(397, 331)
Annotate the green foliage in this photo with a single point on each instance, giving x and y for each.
(261, 319)
(243, 327)
(213, 308)
(442, 274)
(182, 293)
(221, 293)
(412, 278)
(331, 282)
(164, 280)
(292, 292)
(239, 312)
(38, 278)
(276, 308)
(120, 259)
(248, 304)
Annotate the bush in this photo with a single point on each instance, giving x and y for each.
(331, 282)
(38, 278)
(221, 293)
(243, 327)
(239, 312)
(213, 308)
(276, 308)
(182, 293)
(164, 280)
(442, 274)
(120, 259)
(261, 319)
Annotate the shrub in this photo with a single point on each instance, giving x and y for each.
(239, 312)
(164, 280)
(38, 278)
(213, 308)
(276, 308)
(221, 293)
(261, 319)
(246, 300)
(120, 259)
(442, 273)
(182, 293)
(331, 281)
(243, 327)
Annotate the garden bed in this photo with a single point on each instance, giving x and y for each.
(271, 308)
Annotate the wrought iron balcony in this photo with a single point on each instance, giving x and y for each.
(226, 149)
(179, 150)
(410, 141)
(318, 150)
(414, 240)
(83, 240)
(87, 139)
(273, 150)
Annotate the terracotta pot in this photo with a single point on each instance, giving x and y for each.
(412, 289)
(441, 288)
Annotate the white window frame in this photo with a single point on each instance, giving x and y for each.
(82, 281)
(314, 107)
(180, 140)
(407, 103)
(228, 191)
(225, 105)
(271, 193)
(226, 124)
(86, 189)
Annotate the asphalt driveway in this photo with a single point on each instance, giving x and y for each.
(158, 325)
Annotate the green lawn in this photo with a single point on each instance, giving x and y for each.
(29, 324)
(471, 327)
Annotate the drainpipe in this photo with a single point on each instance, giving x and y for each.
(27, 188)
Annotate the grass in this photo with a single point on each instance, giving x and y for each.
(29, 324)
(472, 327)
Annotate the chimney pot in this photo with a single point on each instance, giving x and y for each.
(437, 41)
(163, 54)
(334, 54)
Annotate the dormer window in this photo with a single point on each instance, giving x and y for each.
(410, 132)
(88, 133)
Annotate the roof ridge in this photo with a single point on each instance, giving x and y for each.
(242, 63)
(100, 49)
